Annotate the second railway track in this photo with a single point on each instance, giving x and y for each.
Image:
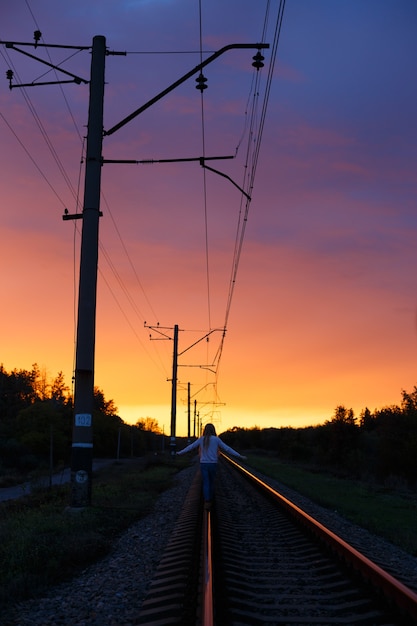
(266, 567)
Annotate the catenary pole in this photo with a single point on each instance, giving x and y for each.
(174, 391)
(82, 438)
(195, 415)
(189, 414)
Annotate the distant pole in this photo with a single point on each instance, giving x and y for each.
(82, 434)
(189, 414)
(174, 391)
(195, 414)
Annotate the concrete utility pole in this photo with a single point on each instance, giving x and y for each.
(82, 446)
(189, 414)
(173, 442)
(82, 438)
(195, 416)
(82, 443)
(160, 330)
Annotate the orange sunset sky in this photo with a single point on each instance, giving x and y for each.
(323, 309)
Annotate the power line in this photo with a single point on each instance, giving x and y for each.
(107, 257)
(243, 214)
(44, 134)
(201, 86)
(75, 194)
(252, 159)
(35, 163)
(60, 86)
(139, 282)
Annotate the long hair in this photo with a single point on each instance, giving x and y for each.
(208, 431)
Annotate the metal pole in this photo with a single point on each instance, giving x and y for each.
(189, 414)
(195, 414)
(82, 436)
(174, 391)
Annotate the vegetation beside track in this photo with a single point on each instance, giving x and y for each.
(43, 543)
(388, 513)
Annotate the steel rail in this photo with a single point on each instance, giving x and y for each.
(207, 592)
(394, 590)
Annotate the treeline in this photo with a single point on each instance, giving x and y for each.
(378, 446)
(36, 417)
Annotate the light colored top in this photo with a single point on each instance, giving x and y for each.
(210, 454)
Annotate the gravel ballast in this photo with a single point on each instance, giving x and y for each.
(110, 592)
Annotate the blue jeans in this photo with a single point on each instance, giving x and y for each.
(208, 474)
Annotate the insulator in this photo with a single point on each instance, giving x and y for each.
(36, 36)
(9, 75)
(257, 60)
(201, 82)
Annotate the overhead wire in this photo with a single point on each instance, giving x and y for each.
(74, 278)
(32, 159)
(256, 127)
(75, 193)
(245, 124)
(159, 364)
(102, 248)
(133, 268)
(60, 86)
(271, 67)
(252, 157)
(49, 144)
(203, 140)
(42, 131)
(202, 86)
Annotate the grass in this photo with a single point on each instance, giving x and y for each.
(387, 513)
(43, 544)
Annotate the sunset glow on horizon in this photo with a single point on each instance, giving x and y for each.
(322, 309)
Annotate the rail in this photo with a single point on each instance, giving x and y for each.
(394, 590)
(208, 614)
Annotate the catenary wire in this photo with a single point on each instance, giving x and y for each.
(42, 130)
(250, 176)
(241, 230)
(104, 252)
(256, 125)
(60, 86)
(74, 193)
(203, 139)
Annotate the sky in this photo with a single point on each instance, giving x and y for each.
(314, 279)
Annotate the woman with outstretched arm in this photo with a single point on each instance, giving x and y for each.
(208, 448)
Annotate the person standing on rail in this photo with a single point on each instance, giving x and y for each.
(209, 446)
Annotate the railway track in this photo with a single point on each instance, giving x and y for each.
(256, 559)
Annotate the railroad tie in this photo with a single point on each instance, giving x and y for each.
(164, 603)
